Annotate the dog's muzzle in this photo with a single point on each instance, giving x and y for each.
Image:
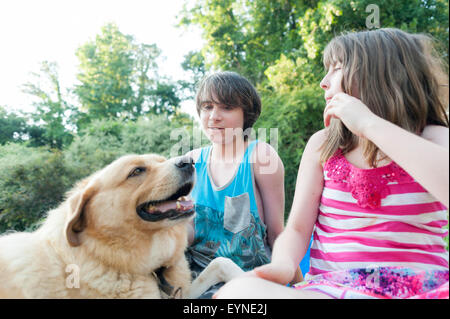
(177, 206)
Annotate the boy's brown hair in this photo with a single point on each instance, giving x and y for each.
(398, 75)
(232, 89)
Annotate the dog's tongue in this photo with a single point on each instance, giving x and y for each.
(180, 205)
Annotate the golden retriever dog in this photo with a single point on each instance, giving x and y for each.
(121, 233)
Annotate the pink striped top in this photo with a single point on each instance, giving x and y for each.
(376, 217)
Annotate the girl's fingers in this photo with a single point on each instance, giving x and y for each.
(264, 272)
(271, 273)
(328, 113)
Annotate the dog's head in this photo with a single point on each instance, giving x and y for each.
(135, 193)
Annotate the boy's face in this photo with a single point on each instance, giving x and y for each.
(221, 122)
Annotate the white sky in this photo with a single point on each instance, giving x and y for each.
(32, 31)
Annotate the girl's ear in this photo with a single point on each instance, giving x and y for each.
(76, 220)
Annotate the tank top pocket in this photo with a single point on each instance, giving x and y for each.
(237, 213)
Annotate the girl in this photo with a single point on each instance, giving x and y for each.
(239, 190)
(374, 184)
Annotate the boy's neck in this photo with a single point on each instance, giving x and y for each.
(229, 152)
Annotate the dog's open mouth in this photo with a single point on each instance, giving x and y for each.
(177, 206)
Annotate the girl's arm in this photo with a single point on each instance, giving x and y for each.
(425, 158)
(269, 177)
(293, 242)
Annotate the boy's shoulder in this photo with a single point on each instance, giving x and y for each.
(264, 148)
(194, 154)
(265, 154)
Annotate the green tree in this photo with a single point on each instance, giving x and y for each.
(34, 180)
(118, 79)
(244, 36)
(53, 113)
(12, 126)
(106, 67)
(194, 64)
(278, 45)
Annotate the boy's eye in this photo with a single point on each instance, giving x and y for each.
(207, 107)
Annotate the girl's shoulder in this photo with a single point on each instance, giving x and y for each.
(315, 143)
(319, 137)
(437, 134)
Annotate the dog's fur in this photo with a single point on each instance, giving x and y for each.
(95, 245)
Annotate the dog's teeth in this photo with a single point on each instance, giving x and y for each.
(178, 205)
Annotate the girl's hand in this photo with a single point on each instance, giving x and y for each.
(355, 115)
(278, 273)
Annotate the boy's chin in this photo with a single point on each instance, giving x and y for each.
(220, 140)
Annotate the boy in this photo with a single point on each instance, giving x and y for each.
(239, 190)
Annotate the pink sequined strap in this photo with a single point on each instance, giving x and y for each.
(368, 186)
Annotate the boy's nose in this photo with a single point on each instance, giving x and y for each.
(215, 114)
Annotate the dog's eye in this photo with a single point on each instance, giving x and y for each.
(137, 171)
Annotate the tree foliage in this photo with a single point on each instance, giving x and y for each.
(120, 105)
(118, 78)
(34, 180)
(52, 111)
(12, 126)
(278, 45)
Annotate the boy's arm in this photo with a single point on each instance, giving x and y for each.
(269, 177)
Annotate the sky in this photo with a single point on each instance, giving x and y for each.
(32, 31)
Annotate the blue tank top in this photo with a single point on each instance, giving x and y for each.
(227, 222)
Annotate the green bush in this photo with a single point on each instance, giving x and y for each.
(32, 181)
(297, 115)
(106, 140)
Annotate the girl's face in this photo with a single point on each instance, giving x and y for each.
(332, 82)
(219, 122)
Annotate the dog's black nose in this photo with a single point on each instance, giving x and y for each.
(185, 163)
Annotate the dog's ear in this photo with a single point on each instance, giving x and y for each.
(76, 221)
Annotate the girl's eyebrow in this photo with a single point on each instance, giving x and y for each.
(334, 65)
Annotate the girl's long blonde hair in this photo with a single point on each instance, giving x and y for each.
(398, 75)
